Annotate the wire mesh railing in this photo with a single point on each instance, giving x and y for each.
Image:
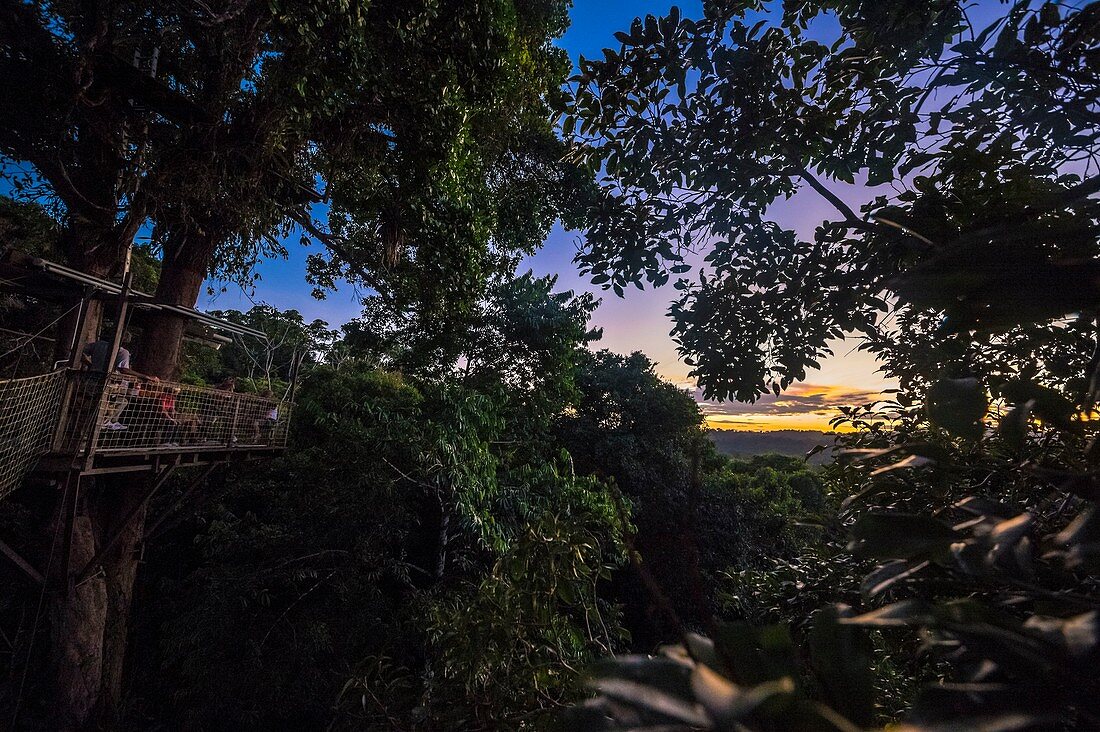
(119, 413)
(29, 410)
(67, 412)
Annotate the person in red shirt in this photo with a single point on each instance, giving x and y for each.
(167, 401)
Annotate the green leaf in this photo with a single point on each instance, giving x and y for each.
(898, 615)
(958, 406)
(887, 575)
(726, 702)
(652, 700)
(901, 536)
(841, 656)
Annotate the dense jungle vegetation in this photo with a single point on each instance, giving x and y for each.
(482, 520)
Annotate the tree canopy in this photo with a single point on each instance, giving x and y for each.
(985, 133)
(413, 140)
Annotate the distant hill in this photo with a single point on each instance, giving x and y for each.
(785, 442)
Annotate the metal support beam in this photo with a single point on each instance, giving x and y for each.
(119, 469)
(101, 403)
(119, 530)
(66, 517)
(76, 352)
(187, 493)
(22, 563)
(120, 326)
(76, 348)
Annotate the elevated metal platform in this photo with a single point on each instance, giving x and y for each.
(92, 424)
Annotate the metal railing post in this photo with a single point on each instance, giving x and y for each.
(76, 352)
(233, 424)
(120, 326)
(116, 343)
(97, 413)
(68, 396)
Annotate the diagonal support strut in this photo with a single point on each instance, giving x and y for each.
(132, 514)
(22, 563)
(187, 493)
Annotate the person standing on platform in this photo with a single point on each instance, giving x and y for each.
(96, 358)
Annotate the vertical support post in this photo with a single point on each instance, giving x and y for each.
(76, 349)
(232, 436)
(70, 497)
(68, 395)
(96, 426)
(120, 326)
(116, 343)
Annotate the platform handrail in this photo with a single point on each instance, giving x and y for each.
(127, 414)
(75, 415)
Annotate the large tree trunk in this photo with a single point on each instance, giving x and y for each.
(77, 619)
(159, 354)
(120, 569)
(79, 615)
(90, 623)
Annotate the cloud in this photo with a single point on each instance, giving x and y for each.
(799, 399)
(803, 406)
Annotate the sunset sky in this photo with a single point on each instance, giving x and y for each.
(638, 322)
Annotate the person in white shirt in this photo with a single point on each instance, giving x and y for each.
(96, 358)
(267, 422)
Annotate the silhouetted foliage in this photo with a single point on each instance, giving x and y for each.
(968, 495)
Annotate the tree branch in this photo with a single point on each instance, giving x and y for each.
(850, 217)
(339, 248)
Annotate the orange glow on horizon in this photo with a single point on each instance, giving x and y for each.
(774, 423)
(801, 407)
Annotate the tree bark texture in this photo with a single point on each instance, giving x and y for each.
(80, 616)
(180, 284)
(120, 569)
(157, 355)
(77, 620)
(90, 624)
(90, 621)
